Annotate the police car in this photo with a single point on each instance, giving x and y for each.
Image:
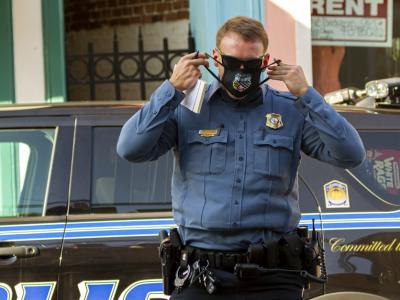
(78, 222)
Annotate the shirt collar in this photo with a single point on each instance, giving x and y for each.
(214, 86)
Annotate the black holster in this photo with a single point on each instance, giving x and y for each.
(169, 252)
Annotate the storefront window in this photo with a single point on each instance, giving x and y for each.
(340, 66)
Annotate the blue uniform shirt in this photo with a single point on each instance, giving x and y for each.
(239, 184)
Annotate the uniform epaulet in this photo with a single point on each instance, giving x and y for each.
(287, 95)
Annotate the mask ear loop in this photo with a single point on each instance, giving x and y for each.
(276, 61)
(211, 72)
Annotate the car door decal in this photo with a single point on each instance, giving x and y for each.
(29, 232)
(98, 290)
(141, 228)
(5, 291)
(149, 289)
(35, 290)
(144, 290)
(117, 228)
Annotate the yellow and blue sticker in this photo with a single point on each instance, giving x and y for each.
(336, 194)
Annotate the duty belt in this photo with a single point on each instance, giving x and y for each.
(293, 253)
(285, 253)
(217, 259)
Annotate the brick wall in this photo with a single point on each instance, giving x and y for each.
(92, 14)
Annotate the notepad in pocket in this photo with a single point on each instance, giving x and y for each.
(195, 96)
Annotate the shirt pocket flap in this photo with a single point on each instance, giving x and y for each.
(276, 141)
(195, 137)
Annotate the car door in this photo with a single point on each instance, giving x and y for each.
(116, 211)
(360, 210)
(35, 155)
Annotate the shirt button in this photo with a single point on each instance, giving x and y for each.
(238, 180)
(240, 158)
(240, 136)
(236, 202)
(235, 223)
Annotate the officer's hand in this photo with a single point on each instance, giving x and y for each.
(186, 72)
(292, 76)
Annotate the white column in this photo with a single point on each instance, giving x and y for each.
(288, 25)
(28, 51)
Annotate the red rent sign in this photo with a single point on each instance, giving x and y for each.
(366, 23)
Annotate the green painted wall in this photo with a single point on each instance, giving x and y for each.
(54, 51)
(7, 92)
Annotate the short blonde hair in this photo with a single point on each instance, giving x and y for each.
(248, 28)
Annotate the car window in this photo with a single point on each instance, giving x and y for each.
(307, 201)
(25, 160)
(379, 173)
(118, 186)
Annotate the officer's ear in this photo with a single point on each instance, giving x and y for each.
(216, 57)
(265, 60)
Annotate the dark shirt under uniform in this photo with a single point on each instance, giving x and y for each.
(238, 185)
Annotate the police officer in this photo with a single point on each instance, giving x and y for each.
(235, 175)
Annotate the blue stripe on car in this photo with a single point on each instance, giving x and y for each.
(151, 227)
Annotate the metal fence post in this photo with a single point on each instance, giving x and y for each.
(91, 71)
(141, 66)
(166, 59)
(116, 67)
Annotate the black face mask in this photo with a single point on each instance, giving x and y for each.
(240, 81)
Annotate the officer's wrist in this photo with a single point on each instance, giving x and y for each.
(176, 85)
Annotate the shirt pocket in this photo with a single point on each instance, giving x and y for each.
(206, 155)
(273, 155)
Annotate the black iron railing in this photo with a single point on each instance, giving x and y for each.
(89, 74)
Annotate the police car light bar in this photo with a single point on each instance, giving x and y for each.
(347, 95)
(382, 88)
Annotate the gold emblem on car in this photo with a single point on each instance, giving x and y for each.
(336, 194)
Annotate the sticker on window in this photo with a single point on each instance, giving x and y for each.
(384, 164)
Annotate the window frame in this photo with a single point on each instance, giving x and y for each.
(35, 163)
(57, 186)
(80, 196)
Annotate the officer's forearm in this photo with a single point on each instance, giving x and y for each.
(151, 131)
(327, 135)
